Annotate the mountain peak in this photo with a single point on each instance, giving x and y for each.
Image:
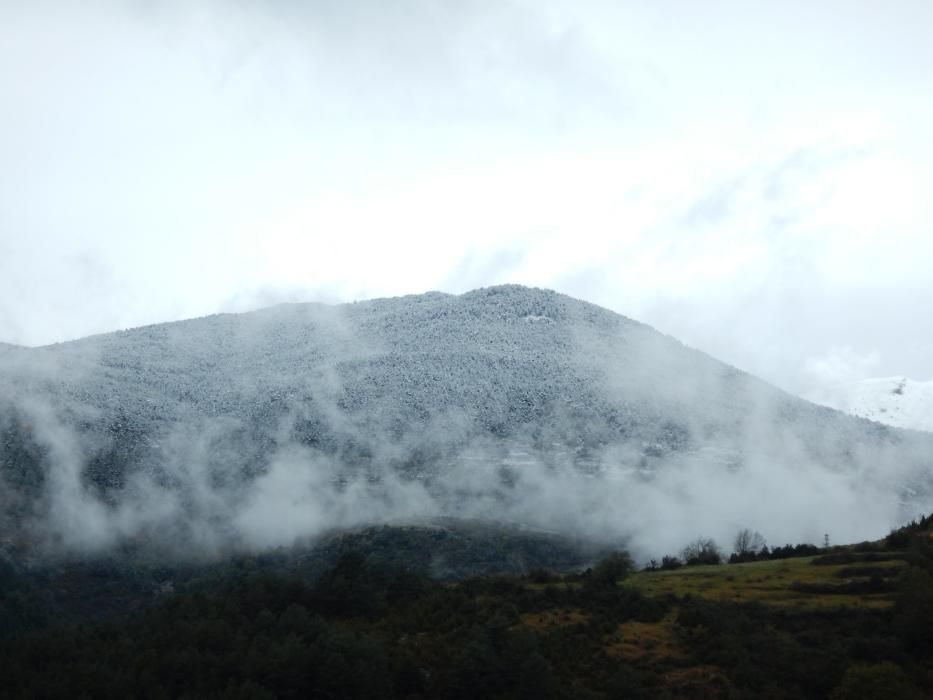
(509, 402)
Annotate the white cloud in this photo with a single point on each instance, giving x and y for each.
(833, 374)
(753, 182)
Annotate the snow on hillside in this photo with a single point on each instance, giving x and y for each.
(506, 403)
(896, 401)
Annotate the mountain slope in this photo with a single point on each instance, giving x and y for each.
(504, 403)
(896, 401)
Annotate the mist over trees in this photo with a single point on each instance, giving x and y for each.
(253, 430)
(264, 505)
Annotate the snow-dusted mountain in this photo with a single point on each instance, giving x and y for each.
(504, 403)
(896, 401)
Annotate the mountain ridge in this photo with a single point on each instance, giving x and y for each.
(506, 401)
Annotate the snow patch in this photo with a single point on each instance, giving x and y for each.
(896, 401)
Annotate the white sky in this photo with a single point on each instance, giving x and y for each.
(755, 179)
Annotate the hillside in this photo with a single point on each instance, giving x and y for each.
(507, 403)
(897, 401)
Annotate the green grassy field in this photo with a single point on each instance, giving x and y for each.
(784, 582)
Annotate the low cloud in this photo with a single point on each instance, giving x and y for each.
(296, 421)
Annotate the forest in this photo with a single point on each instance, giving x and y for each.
(846, 622)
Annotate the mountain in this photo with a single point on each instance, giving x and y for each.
(508, 403)
(896, 401)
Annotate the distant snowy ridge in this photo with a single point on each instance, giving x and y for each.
(897, 401)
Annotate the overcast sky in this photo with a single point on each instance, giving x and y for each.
(753, 178)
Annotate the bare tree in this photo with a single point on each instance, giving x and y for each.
(702, 551)
(748, 542)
